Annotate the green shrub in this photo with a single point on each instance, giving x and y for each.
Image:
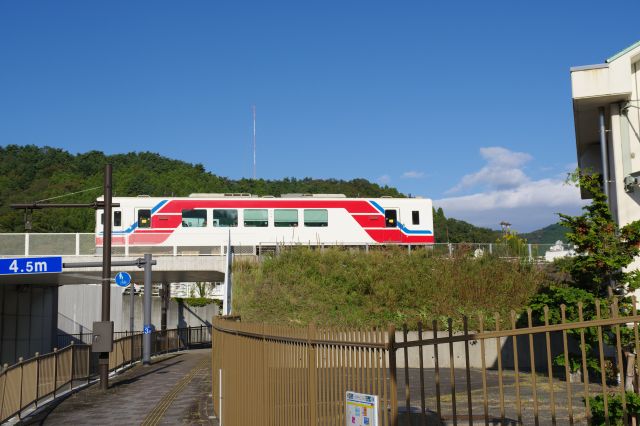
(338, 287)
(195, 302)
(614, 404)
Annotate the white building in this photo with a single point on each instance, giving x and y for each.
(606, 107)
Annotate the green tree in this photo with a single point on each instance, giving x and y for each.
(597, 271)
(603, 249)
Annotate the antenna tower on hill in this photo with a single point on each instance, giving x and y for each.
(253, 111)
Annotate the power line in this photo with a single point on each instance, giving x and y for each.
(71, 193)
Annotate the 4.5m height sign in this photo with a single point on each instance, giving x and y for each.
(30, 265)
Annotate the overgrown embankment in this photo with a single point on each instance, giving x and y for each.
(342, 288)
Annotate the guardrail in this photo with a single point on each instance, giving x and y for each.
(31, 383)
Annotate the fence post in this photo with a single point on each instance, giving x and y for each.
(37, 356)
(313, 375)
(88, 366)
(20, 360)
(55, 371)
(4, 386)
(71, 369)
(391, 338)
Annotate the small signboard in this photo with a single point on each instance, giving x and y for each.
(30, 265)
(146, 329)
(123, 279)
(362, 409)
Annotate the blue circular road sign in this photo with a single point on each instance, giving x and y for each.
(123, 279)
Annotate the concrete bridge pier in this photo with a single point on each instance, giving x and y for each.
(28, 318)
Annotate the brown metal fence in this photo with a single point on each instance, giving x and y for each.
(519, 374)
(37, 381)
(273, 375)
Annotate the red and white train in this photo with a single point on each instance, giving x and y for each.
(202, 220)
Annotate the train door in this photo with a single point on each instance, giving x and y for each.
(391, 218)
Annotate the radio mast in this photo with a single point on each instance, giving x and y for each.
(253, 111)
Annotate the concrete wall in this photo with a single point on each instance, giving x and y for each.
(492, 351)
(27, 321)
(79, 307)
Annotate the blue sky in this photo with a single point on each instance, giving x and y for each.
(467, 103)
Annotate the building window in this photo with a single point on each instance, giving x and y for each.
(225, 217)
(285, 217)
(256, 217)
(144, 218)
(196, 218)
(415, 217)
(316, 217)
(117, 218)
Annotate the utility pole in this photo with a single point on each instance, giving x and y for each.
(103, 358)
(107, 206)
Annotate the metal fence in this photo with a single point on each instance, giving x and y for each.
(191, 335)
(32, 383)
(521, 374)
(274, 375)
(83, 244)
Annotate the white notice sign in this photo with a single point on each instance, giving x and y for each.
(362, 409)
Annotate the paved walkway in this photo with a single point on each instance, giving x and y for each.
(174, 390)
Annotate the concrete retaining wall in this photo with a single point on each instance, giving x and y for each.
(492, 351)
(80, 305)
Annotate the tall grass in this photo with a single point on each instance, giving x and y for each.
(341, 288)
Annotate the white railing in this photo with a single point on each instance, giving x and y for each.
(83, 244)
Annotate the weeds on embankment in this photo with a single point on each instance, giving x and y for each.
(341, 288)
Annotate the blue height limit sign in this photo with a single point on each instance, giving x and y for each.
(31, 265)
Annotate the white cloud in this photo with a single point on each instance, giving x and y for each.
(502, 170)
(506, 193)
(411, 174)
(528, 207)
(384, 180)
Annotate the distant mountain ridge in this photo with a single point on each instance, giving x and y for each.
(547, 235)
(29, 173)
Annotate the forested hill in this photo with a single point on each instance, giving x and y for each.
(30, 173)
(547, 235)
(449, 230)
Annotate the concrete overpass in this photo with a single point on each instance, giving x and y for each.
(31, 305)
(168, 269)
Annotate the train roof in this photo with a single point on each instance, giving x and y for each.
(246, 195)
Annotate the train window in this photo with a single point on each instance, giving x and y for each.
(285, 217)
(144, 218)
(316, 217)
(415, 217)
(391, 218)
(256, 218)
(225, 217)
(196, 218)
(117, 218)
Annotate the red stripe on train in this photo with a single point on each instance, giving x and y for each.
(370, 221)
(394, 235)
